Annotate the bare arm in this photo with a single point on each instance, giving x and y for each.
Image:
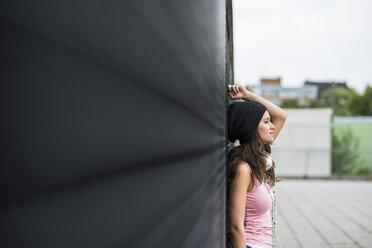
(277, 115)
(237, 199)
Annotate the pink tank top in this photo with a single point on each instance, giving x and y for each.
(257, 219)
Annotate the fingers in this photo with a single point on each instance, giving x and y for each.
(233, 96)
(235, 88)
(233, 91)
(231, 88)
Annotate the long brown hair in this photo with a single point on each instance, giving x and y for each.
(254, 152)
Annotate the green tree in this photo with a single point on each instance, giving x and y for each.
(344, 159)
(361, 105)
(290, 103)
(336, 98)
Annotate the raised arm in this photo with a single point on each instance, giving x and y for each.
(277, 115)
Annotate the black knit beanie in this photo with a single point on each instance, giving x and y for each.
(243, 119)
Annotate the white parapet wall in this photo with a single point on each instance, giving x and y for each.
(303, 148)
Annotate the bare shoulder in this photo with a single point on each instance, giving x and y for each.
(243, 179)
(243, 170)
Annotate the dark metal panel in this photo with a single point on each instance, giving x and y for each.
(113, 128)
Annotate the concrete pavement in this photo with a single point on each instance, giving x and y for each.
(324, 213)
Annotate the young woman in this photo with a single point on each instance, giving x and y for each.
(255, 123)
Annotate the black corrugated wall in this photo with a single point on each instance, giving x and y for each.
(113, 123)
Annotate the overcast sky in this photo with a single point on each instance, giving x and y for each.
(300, 40)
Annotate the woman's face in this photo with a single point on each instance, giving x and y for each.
(266, 129)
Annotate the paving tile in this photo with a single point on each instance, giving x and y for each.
(321, 213)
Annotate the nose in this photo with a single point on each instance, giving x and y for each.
(272, 126)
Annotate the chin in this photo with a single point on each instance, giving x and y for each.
(269, 142)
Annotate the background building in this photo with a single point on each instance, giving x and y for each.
(325, 85)
(272, 90)
(303, 148)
